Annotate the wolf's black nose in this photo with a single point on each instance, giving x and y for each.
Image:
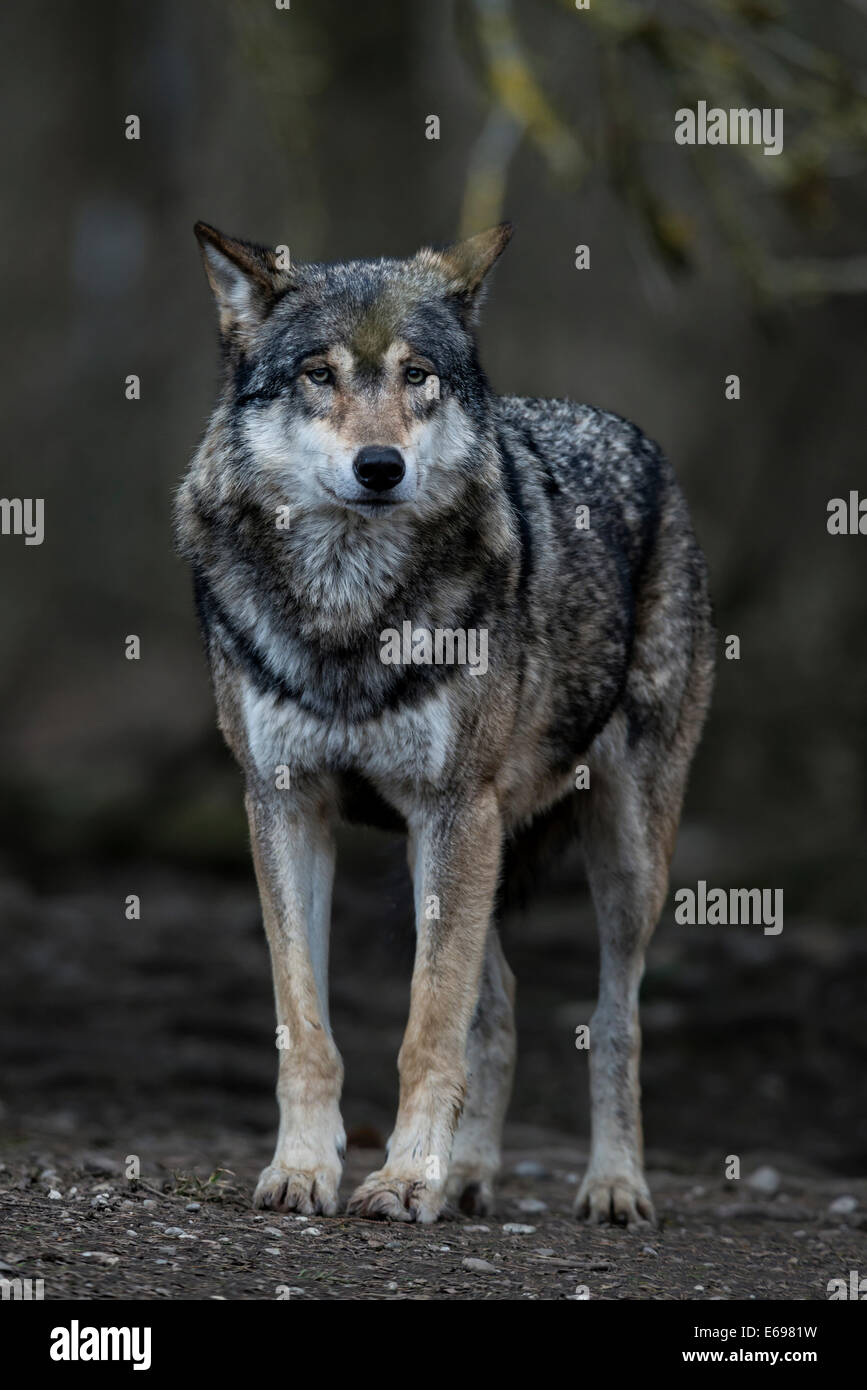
(377, 468)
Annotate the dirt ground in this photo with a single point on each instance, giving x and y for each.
(155, 1039)
(185, 1233)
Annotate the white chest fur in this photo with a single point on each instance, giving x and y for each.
(409, 744)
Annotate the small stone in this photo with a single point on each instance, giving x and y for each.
(193, 1206)
(649, 1250)
(479, 1266)
(101, 1257)
(482, 1230)
(272, 1250)
(312, 1231)
(530, 1168)
(55, 1196)
(515, 1228)
(843, 1206)
(765, 1180)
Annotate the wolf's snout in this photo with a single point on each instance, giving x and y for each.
(378, 469)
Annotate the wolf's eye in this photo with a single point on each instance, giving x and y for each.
(323, 376)
(416, 375)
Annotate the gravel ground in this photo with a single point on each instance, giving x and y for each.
(186, 1232)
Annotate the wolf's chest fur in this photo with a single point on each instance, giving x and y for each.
(409, 744)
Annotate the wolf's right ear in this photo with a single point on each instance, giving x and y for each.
(245, 279)
(466, 263)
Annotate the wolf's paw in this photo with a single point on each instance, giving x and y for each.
(385, 1197)
(471, 1190)
(622, 1200)
(312, 1193)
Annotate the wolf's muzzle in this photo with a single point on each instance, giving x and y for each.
(378, 468)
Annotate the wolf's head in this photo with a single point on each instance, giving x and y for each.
(355, 387)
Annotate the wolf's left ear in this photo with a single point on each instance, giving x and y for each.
(466, 263)
(245, 279)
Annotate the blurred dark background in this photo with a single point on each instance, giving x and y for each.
(307, 127)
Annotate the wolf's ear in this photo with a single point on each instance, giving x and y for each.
(245, 279)
(466, 263)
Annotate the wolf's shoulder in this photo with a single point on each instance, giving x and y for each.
(580, 442)
(566, 454)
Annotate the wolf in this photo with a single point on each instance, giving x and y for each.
(358, 475)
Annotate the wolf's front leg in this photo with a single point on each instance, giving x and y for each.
(293, 852)
(457, 863)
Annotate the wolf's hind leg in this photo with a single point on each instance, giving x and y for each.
(475, 1159)
(628, 831)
